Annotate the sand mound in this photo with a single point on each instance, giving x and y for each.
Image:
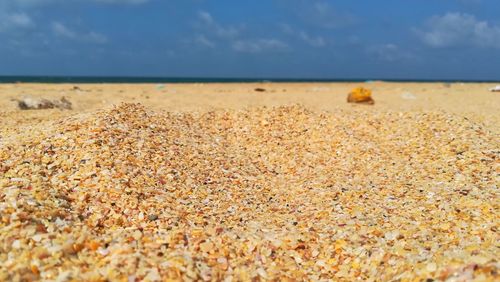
(262, 193)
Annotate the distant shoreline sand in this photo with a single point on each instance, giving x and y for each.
(471, 100)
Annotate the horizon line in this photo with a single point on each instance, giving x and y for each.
(209, 79)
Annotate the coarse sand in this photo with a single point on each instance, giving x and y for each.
(264, 193)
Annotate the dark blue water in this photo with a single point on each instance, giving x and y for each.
(111, 79)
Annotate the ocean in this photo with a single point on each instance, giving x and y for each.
(127, 79)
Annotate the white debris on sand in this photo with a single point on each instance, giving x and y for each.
(495, 89)
(30, 103)
(408, 96)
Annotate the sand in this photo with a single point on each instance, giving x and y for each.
(473, 100)
(219, 182)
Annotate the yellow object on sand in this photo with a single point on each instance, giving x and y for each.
(360, 95)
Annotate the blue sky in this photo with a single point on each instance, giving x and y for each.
(413, 39)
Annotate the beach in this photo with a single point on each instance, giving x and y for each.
(472, 100)
(250, 181)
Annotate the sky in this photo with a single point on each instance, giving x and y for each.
(344, 39)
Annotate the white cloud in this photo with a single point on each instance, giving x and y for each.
(21, 19)
(209, 24)
(471, 1)
(206, 17)
(320, 13)
(122, 1)
(14, 21)
(34, 3)
(315, 41)
(286, 28)
(63, 31)
(204, 41)
(212, 31)
(389, 52)
(27, 3)
(95, 37)
(259, 45)
(457, 29)
(15, 14)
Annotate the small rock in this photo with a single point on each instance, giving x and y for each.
(360, 95)
(262, 273)
(37, 238)
(153, 275)
(431, 267)
(391, 235)
(152, 217)
(206, 247)
(68, 248)
(16, 244)
(480, 259)
(315, 253)
(260, 90)
(137, 235)
(103, 252)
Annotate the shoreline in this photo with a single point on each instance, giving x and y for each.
(56, 79)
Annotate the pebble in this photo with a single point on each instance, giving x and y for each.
(431, 267)
(16, 244)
